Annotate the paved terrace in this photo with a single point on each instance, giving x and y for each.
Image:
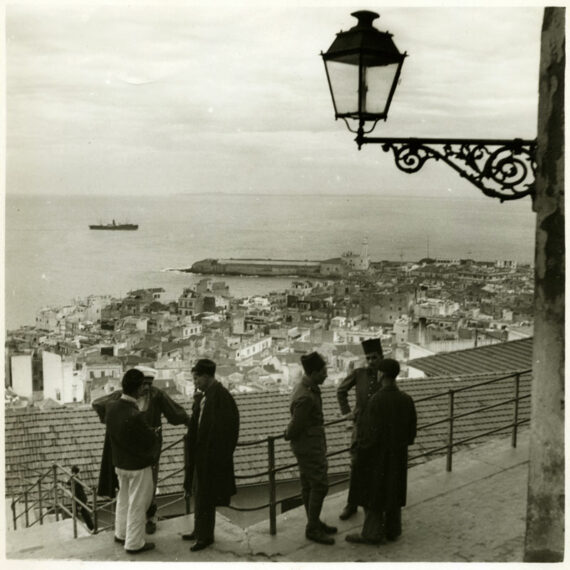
(474, 514)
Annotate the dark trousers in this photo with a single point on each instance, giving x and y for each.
(204, 519)
(351, 501)
(86, 516)
(314, 487)
(393, 522)
(204, 514)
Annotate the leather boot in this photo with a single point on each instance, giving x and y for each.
(315, 531)
(347, 512)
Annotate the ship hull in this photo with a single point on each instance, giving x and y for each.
(117, 227)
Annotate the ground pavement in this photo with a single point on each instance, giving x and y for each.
(474, 514)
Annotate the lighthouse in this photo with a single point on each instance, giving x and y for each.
(364, 257)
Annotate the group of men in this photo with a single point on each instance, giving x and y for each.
(384, 424)
(133, 441)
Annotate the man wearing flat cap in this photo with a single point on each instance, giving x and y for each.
(153, 403)
(210, 444)
(365, 382)
(379, 477)
(306, 433)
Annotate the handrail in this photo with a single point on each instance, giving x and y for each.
(59, 489)
(449, 419)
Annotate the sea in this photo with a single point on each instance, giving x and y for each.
(53, 258)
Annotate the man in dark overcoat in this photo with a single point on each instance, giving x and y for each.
(153, 403)
(306, 433)
(387, 428)
(365, 382)
(210, 443)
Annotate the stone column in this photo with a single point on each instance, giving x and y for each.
(544, 541)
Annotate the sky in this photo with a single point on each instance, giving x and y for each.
(166, 98)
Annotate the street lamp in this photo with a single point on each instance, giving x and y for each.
(363, 67)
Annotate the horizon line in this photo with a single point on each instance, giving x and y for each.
(400, 194)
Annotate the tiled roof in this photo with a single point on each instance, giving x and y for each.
(506, 356)
(73, 435)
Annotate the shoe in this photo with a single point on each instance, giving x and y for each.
(319, 536)
(150, 527)
(347, 512)
(359, 539)
(328, 529)
(189, 536)
(201, 544)
(119, 540)
(146, 546)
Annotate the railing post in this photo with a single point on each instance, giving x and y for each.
(272, 490)
(73, 506)
(14, 517)
(450, 434)
(516, 412)
(40, 501)
(26, 508)
(95, 511)
(55, 492)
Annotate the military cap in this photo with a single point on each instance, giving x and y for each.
(312, 362)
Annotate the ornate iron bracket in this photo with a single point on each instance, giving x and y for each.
(503, 169)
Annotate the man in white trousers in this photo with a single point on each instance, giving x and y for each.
(133, 449)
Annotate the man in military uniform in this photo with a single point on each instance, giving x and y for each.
(306, 433)
(365, 383)
(386, 429)
(154, 403)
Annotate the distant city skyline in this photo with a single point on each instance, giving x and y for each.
(173, 99)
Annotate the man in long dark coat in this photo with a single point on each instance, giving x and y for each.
(306, 433)
(153, 403)
(387, 428)
(365, 382)
(210, 443)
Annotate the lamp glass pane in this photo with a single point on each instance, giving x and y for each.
(344, 84)
(379, 81)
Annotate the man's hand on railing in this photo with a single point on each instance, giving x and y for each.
(349, 416)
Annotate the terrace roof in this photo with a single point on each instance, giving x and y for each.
(34, 439)
(506, 356)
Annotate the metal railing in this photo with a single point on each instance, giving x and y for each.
(60, 491)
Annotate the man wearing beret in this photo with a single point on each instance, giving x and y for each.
(154, 403)
(365, 383)
(387, 428)
(210, 444)
(306, 433)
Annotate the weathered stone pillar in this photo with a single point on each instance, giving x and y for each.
(544, 540)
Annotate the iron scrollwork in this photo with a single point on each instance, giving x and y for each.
(503, 169)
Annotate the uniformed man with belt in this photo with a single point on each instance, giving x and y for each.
(306, 433)
(365, 383)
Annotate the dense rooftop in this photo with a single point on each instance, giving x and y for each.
(73, 435)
